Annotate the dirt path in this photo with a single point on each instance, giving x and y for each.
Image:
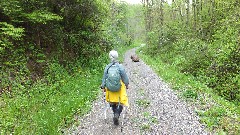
(154, 109)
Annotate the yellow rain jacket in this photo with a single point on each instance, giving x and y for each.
(115, 97)
(121, 95)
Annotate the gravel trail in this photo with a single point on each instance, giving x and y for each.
(154, 109)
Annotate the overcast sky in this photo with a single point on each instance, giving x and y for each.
(138, 1)
(132, 1)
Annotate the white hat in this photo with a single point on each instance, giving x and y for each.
(113, 55)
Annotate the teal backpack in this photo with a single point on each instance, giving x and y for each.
(113, 78)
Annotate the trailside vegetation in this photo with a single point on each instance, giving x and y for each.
(201, 39)
(52, 57)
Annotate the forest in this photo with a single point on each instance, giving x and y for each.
(201, 38)
(53, 53)
(195, 45)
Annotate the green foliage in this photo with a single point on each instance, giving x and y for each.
(143, 103)
(42, 17)
(34, 32)
(8, 30)
(212, 116)
(52, 58)
(145, 126)
(11, 10)
(148, 122)
(9, 34)
(190, 94)
(208, 50)
(135, 23)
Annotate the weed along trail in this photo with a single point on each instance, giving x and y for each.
(154, 109)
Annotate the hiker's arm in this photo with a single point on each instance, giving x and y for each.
(104, 78)
(124, 76)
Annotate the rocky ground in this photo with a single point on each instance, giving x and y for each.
(154, 109)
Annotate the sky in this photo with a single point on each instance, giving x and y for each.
(133, 1)
(138, 1)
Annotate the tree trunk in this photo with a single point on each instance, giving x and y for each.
(148, 18)
(187, 13)
(194, 15)
(160, 38)
(200, 18)
(180, 12)
(173, 10)
(213, 11)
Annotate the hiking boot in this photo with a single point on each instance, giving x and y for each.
(115, 119)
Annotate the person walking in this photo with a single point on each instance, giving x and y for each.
(115, 82)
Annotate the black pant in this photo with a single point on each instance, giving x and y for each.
(117, 108)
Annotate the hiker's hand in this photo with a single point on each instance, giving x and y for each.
(127, 87)
(104, 90)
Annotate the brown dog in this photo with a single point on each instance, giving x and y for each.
(134, 58)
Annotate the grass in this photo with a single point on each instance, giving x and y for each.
(141, 92)
(143, 103)
(148, 121)
(190, 94)
(145, 126)
(220, 115)
(45, 109)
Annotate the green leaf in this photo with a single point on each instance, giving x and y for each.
(43, 17)
(10, 31)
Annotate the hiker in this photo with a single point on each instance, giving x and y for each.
(114, 83)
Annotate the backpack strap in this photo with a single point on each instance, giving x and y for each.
(110, 66)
